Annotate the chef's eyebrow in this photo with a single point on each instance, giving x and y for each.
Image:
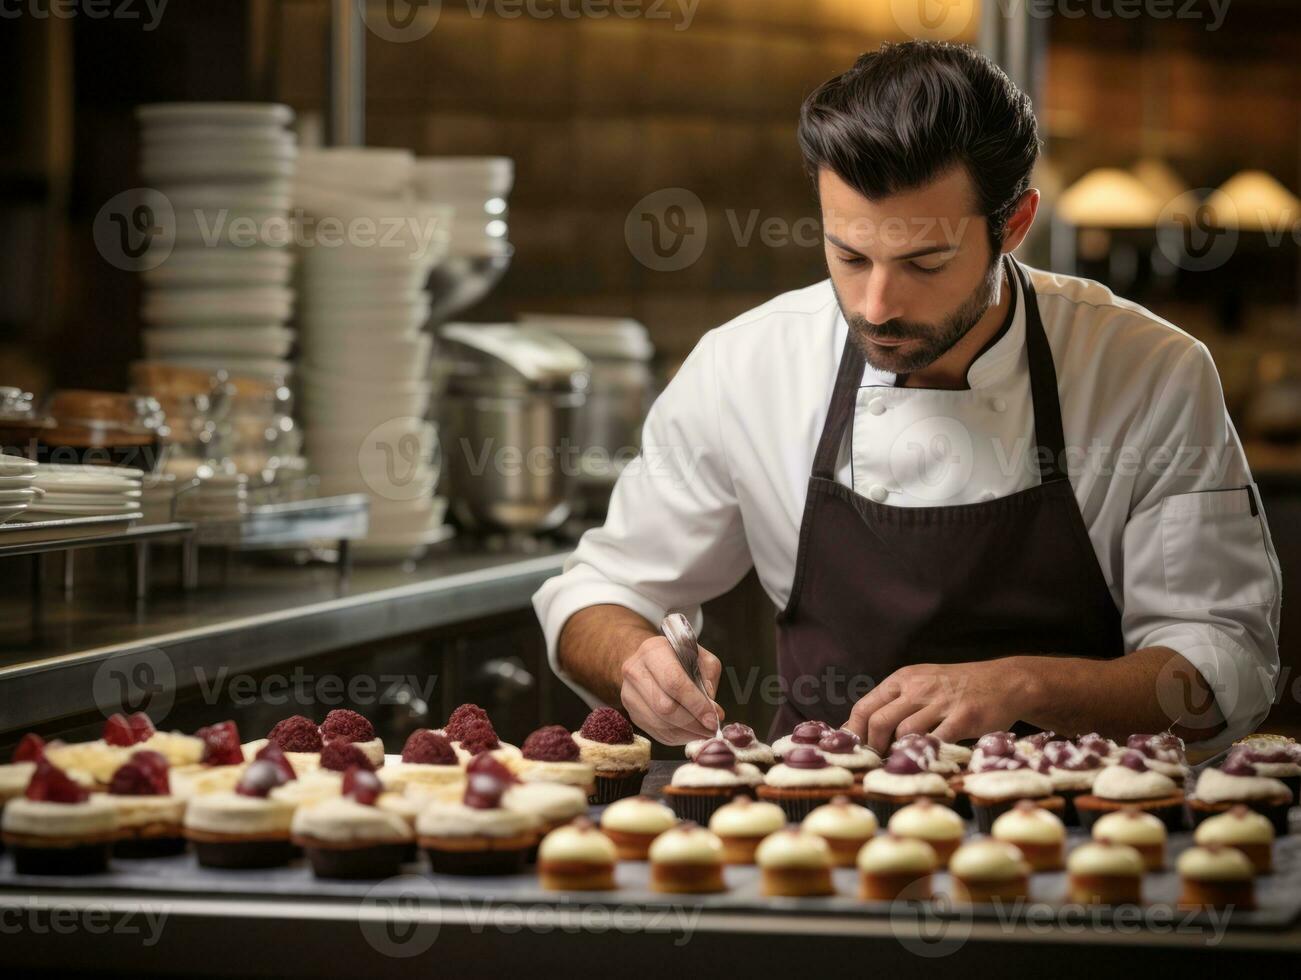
(916, 254)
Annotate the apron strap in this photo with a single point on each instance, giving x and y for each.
(843, 398)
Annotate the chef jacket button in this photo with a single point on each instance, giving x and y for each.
(998, 404)
(877, 493)
(876, 406)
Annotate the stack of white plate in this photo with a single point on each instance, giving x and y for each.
(221, 297)
(83, 491)
(477, 188)
(16, 490)
(221, 495)
(364, 381)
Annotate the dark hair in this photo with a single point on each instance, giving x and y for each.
(905, 114)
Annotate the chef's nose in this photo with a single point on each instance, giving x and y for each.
(882, 297)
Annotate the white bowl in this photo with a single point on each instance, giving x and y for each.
(216, 267)
(208, 165)
(360, 170)
(401, 318)
(256, 342)
(235, 305)
(214, 114)
(262, 368)
(446, 178)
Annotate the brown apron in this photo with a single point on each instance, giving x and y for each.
(878, 587)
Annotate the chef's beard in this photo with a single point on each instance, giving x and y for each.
(927, 343)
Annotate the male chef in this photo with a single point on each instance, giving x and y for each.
(981, 494)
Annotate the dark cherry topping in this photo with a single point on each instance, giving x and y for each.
(1039, 739)
(1280, 752)
(50, 784)
(483, 791)
(347, 725)
(1003, 763)
(918, 742)
(903, 763)
(1168, 741)
(426, 747)
(738, 734)
(805, 757)
(122, 731)
(296, 734)
(340, 756)
(809, 732)
(716, 754)
(997, 744)
(478, 736)
(144, 774)
(362, 785)
(1238, 764)
(461, 717)
(260, 778)
(1093, 742)
(272, 752)
(1134, 760)
(839, 742)
(486, 764)
(30, 749)
(607, 726)
(1069, 756)
(221, 744)
(550, 744)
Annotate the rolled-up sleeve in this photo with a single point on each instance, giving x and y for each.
(1200, 572)
(673, 537)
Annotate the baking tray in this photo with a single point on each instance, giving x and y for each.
(17, 534)
(294, 522)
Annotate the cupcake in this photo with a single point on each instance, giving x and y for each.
(314, 787)
(932, 822)
(428, 759)
(742, 824)
(550, 804)
(954, 754)
(1239, 781)
(89, 763)
(1131, 782)
(1072, 770)
(300, 739)
(1031, 746)
(476, 836)
(994, 792)
(845, 826)
(927, 750)
(634, 822)
(1276, 757)
(471, 732)
(699, 788)
(1164, 754)
(794, 863)
(992, 745)
(902, 780)
(350, 836)
(1105, 873)
(1216, 877)
(1038, 834)
(56, 827)
(892, 869)
(1137, 829)
(218, 769)
(1101, 746)
(845, 749)
(617, 754)
(806, 733)
(804, 780)
(989, 870)
(149, 816)
(340, 755)
(550, 755)
(577, 857)
(344, 725)
(686, 860)
(743, 742)
(177, 748)
(1243, 828)
(15, 775)
(246, 828)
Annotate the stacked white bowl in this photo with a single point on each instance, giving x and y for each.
(221, 297)
(364, 381)
(69, 490)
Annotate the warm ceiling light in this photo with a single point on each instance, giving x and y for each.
(1109, 197)
(1253, 201)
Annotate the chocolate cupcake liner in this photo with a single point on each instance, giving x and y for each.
(885, 809)
(962, 805)
(1275, 813)
(799, 807)
(375, 861)
(506, 862)
(611, 788)
(84, 859)
(984, 814)
(133, 848)
(244, 855)
(1070, 816)
(701, 808)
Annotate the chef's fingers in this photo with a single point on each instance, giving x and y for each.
(711, 669)
(646, 719)
(881, 726)
(643, 673)
(868, 704)
(673, 680)
(921, 722)
(954, 729)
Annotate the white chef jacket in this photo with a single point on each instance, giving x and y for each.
(1155, 464)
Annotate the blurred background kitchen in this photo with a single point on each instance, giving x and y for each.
(602, 188)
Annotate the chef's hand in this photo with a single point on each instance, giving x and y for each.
(954, 701)
(660, 698)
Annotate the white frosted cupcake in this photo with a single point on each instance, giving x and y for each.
(699, 788)
(742, 824)
(351, 836)
(935, 823)
(1105, 873)
(1216, 877)
(794, 863)
(686, 859)
(845, 826)
(892, 868)
(577, 857)
(477, 835)
(619, 757)
(634, 822)
(550, 755)
(804, 780)
(1243, 828)
(1038, 833)
(989, 870)
(1137, 829)
(57, 827)
(247, 828)
(743, 742)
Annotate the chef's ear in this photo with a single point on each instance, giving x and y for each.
(1019, 222)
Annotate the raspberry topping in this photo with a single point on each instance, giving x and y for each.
(260, 778)
(461, 717)
(1095, 743)
(488, 765)
(348, 725)
(144, 774)
(809, 732)
(997, 743)
(1004, 763)
(478, 736)
(296, 734)
(340, 755)
(717, 754)
(1039, 739)
(839, 742)
(221, 744)
(30, 749)
(607, 726)
(903, 763)
(738, 734)
(1238, 764)
(362, 785)
(550, 744)
(122, 731)
(426, 747)
(51, 784)
(272, 752)
(1133, 760)
(805, 757)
